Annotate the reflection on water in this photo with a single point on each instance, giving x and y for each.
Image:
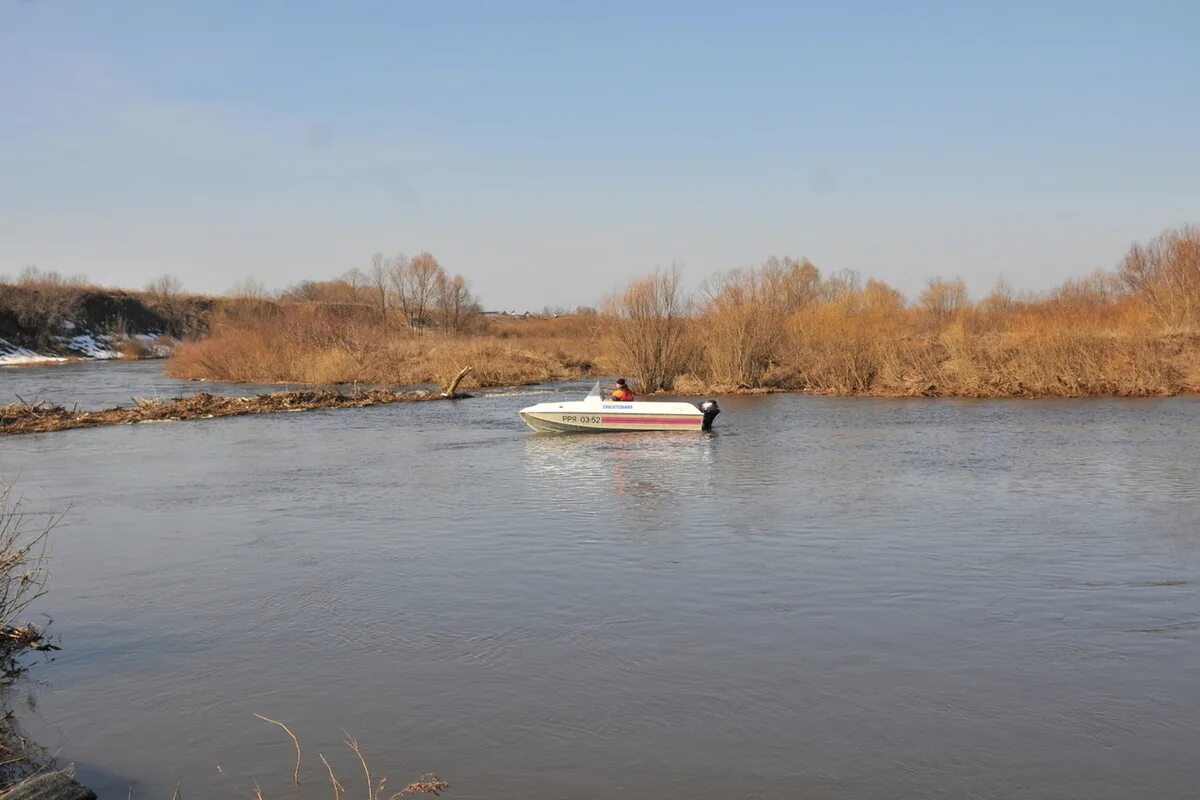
(578, 470)
(823, 598)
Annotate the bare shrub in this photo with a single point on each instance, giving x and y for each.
(185, 315)
(33, 277)
(164, 288)
(377, 280)
(250, 289)
(324, 344)
(841, 346)
(648, 321)
(840, 284)
(1100, 289)
(132, 348)
(1165, 273)
(779, 325)
(795, 284)
(42, 303)
(999, 302)
(457, 310)
(742, 325)
(346, 290)
(943, 298)
(22, 580)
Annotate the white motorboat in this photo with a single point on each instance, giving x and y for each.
(595, 414)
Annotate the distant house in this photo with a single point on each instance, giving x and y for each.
(522, 315)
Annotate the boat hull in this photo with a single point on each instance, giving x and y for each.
(595, 414)
(599, 421)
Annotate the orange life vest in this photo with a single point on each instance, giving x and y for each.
(622, 395)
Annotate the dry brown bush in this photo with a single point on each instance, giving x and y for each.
(134, 349)
(320, 344)
(648, 321)
(943, 299)
(741, 325)
(22, 580)
(39, 302)
(1165, 273)
(778, 326)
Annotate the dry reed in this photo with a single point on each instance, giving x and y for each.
(782, 326)
(22, 580)
(375, 789)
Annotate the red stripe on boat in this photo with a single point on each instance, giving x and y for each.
(651, 420)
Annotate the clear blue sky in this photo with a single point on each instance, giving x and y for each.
(550, 150)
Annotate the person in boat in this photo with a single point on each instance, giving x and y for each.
(621, 393)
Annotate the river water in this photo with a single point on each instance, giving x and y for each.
(825, 598)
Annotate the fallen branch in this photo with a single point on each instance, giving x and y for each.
(451, 392)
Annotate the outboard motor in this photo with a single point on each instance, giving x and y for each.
(710, 409)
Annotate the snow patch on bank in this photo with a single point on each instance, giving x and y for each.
(90, 346)
(11, 355)
(98, 347)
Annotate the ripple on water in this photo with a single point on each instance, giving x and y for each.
(825, 597)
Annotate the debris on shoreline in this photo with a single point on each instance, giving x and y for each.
(18, 418)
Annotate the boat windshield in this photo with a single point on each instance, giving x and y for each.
(594, 395)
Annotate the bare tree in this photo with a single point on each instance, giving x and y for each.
(414, 284)
(648, 328)
(377, 279)
(797, 284)
(743, 322)
(1001, 299)
(1099, 289)
(1165, 273)
(840, 284)
(249, 289)
(879, 298)
(358, 282)
(943, 298)
(456, 306)
(164, 288)
(33, 277)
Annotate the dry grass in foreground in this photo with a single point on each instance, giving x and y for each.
(376, 787)
(22, 580)
(17, 418)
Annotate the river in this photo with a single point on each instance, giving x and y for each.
(824, 598)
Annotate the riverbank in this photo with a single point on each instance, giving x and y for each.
(20, 418)
(46, 318)
(828, 350)
(780, 326)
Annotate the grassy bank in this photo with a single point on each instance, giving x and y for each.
(44, 312)
(780, 326)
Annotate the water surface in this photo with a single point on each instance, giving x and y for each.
(102, 384)
(825, 598)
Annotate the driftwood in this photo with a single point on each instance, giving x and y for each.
(451, 392)
(25, 417)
